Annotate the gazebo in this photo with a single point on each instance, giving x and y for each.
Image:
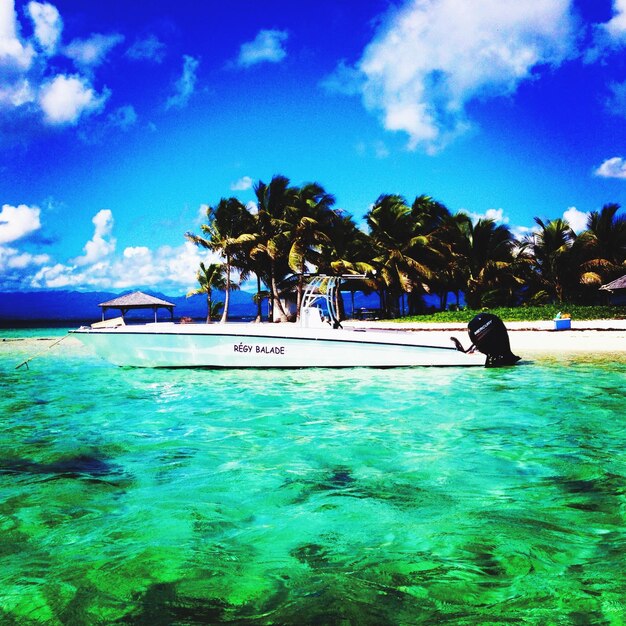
(137, 300)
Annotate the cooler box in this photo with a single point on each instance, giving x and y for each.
(562, 324)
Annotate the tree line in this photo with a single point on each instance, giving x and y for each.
(408, 250)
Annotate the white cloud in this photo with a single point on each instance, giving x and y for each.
(29, 77)
(612, 168)
(519, 232)
(17, 94)
(497, 215)
(433, 57)
(48, 25)
(245, 182)
(93, 51)
(11, 259)
(616, 26)
(65, 98)
(185, 85)
(201, 216)
(17, 222)
(576, 219)
(167, 267)
(267, 47)
(102, 244)
(147, 49)
(16, 265)
(13, 53)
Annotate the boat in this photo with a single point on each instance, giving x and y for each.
(317, 340)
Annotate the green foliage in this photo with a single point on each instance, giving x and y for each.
(410, 250)
(525, 314)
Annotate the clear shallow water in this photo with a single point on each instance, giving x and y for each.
(408, 496)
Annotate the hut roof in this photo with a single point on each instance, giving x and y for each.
(136, 300)
(619, 283)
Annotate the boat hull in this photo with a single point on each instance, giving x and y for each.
(267, 346)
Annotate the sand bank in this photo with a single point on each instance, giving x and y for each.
(529, 338)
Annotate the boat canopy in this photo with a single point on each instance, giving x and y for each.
(324, 288)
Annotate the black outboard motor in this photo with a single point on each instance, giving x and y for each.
(488, 333)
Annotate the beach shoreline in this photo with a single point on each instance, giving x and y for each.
(527, 338)
(532, 337)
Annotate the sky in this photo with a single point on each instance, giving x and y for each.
(120, 122)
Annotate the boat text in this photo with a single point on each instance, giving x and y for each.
(242, 347)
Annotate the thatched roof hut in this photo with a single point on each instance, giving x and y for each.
(616, 290)
(137, 300)
(619, 283)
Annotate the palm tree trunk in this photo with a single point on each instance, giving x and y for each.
(259, 314)
(300, 288)
(276, 299)
(208, 308)
(227, 294)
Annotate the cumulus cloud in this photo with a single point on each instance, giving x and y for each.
(102, 244)
(433, 57)
(48, 25)
(185, 85)
(92, 51)
(100, 267)
(167, 267)
(612, 168)
(13, 53)
(244, 183)
(17, 222)
(616, 26)
(17, 94)
(15, 265)
(147, 49)
(12, 259)
(65, 99)
(497, 215)
(30, 79)
(576, 219)
(267, 47)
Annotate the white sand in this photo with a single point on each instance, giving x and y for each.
(529, 338)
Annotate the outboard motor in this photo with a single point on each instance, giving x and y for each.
(488, 333)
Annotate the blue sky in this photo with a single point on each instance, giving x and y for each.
(120, 121)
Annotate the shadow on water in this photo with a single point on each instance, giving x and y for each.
(82, 466)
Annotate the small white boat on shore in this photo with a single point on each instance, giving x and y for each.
(316, 341)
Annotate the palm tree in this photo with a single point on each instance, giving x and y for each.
(487, 257)
(310, 226)
(226, 228)
(273, 200)
(603, 246)
(209, 277)
(398, 246)
(550, 249)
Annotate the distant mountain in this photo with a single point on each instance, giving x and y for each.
(82, 307)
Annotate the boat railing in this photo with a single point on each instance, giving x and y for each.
(323, 289)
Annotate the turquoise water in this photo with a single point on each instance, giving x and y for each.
(406, 496)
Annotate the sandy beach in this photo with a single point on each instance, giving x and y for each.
(529, 338)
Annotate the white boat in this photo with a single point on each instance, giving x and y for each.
(316, 341)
